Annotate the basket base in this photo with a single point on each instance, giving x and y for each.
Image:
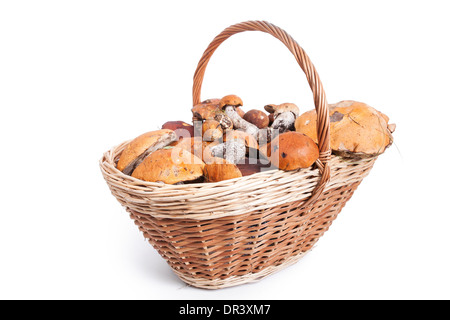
(263, 242)
(232, 281)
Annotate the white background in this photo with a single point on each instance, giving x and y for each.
(78, 77)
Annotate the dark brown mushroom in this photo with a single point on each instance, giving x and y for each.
(257, 117)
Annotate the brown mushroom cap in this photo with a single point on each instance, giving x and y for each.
(204, 112)
(143, 145)
(219, 169)
(257, 117)
(211, 130)
(211, 101)
(230, 100)
(356, 129)
(207, 155)
(171, 165)
(293, 150)
(280, 108)
(194, 145)
(181, 128)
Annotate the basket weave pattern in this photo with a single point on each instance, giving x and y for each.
(221, 234)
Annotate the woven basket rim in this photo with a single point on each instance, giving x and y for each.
(200, 201)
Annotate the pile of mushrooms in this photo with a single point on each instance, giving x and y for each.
(226, 143)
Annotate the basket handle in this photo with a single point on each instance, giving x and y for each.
(320, 101)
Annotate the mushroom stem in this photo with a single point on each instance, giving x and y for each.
(263, 134)
(284, 121)
(233, 151)
(240, 123)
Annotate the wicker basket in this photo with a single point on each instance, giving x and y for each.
(221, 234)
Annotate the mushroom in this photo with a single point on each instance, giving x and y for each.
(140, 147)
(194, 145)
(207, 109)
(211, 130)
(356, 129)
(249, 140)
(171, 166)
(257, 117)
(181, 128)
(211, 101)
(220, 169)
(235, 147)
(224, 120)
(284, 116)
(293, 150)
(233, 150)
(229, 104)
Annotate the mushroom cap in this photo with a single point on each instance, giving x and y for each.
(170, 165)
(211, 101)
(280, 108)
(211, 130)
(194, 145)
(250, 141)
(270, 108)
(207, 155)
(230, 100)
(181, 128)
(141, 144)
(205, 111)
(219, 169)
(257, 117)
(356, 129)
(293, 150)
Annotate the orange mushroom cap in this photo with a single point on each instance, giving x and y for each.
(293, 150)
(170, 165)
(143, 144)
(230, 100)
(356, 129)
(219, 169)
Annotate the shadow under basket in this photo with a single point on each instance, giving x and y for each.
(216, 235)
(222, 234)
